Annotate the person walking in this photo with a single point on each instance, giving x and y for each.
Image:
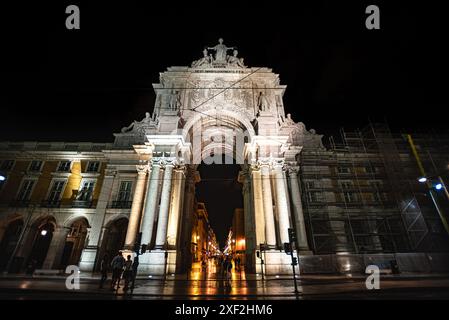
(127, 271)
(229, 272)
(117, 267)
(104, 270)
(237, 263)
(135, 268)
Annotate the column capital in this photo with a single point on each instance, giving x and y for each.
(142, 168)
(164, 161)
(271, 162)
(180, 168)
(293, 171)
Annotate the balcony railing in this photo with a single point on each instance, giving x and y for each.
(120, 204)
(82, 204)
(51, 203)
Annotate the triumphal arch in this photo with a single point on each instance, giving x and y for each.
(216, 106)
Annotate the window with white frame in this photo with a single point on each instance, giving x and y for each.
(86, 190)
(7, 165)
(35, 165)
(25, 190)
(93, 166)
(124, 193)
(64, 166)
(56, 190)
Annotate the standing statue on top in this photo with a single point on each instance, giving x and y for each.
(220, 51)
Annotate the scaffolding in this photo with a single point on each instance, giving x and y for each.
(359, 196)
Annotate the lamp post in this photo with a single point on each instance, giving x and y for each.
(440, 185)
(427, 180)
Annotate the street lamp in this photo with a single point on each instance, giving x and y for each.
(2, 177)
(438, 186)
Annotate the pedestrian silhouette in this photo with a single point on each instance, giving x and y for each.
(104, 268)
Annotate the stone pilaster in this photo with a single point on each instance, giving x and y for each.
(54, 253)
(298, 213)
(89, 254)
(136, 207)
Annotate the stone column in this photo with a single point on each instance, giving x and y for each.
(258, 205)
(96, 222)
(56, 248)
(186, 227)
(176, 206)
(281, 202)
(297, 210)
(270, 233)
(250, 228)
(150, 204)
(161, 234)
(136, 208)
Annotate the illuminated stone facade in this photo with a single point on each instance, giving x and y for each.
(85, 199)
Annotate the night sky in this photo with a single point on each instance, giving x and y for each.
(83, 85)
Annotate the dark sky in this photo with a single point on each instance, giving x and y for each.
(83, 85)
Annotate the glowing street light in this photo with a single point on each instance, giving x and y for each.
(422, 179)
(438, 186)
(44, 233)
(2, 177)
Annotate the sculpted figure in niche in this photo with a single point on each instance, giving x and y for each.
(175, 101)
(262, 102)
(134, 124)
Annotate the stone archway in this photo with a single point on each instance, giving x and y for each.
(38, 241)
(9, 241)
(113, 239)
(223, 108)
(74, 242)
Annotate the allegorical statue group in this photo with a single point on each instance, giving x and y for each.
(221, 59)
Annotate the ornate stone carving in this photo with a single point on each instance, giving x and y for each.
(140, 126)
(262, 102)
(220, 59)
(175, 101)
(298, 134)
(234, 61)
(220, 51)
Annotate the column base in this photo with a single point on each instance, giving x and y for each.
(88, 259)
(275, 263)
(157, 262)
